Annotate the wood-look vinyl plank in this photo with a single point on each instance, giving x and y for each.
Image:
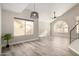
(56, 46)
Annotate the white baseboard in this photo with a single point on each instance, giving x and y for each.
(13, 43)
(74, 50)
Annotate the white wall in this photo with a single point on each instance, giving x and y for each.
(69, 17)
(43, 26)
(7, 25)
(0, 28)
(74, 46)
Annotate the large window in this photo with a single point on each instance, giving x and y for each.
(60, 27)
(22, 27)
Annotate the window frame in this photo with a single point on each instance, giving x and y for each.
(15, 18)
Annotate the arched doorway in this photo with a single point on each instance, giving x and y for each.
(59, 34)
(60, 27)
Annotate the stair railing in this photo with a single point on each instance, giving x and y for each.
(72, 31)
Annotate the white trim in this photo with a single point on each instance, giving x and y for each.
(21, 41)
(73, 50)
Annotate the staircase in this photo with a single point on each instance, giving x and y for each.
(73, 33)
(74, 39)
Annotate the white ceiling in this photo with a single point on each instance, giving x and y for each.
(45, 9)
(15, 7)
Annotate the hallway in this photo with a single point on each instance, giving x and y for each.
(56, 46)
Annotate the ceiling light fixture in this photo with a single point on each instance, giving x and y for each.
(54, 15)
(34, 14)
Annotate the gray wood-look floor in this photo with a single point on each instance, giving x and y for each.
(56, 46)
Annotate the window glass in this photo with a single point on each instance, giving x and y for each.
(29, 28)
(19, 27)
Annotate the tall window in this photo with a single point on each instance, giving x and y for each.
(22, 27)
(60, 27)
